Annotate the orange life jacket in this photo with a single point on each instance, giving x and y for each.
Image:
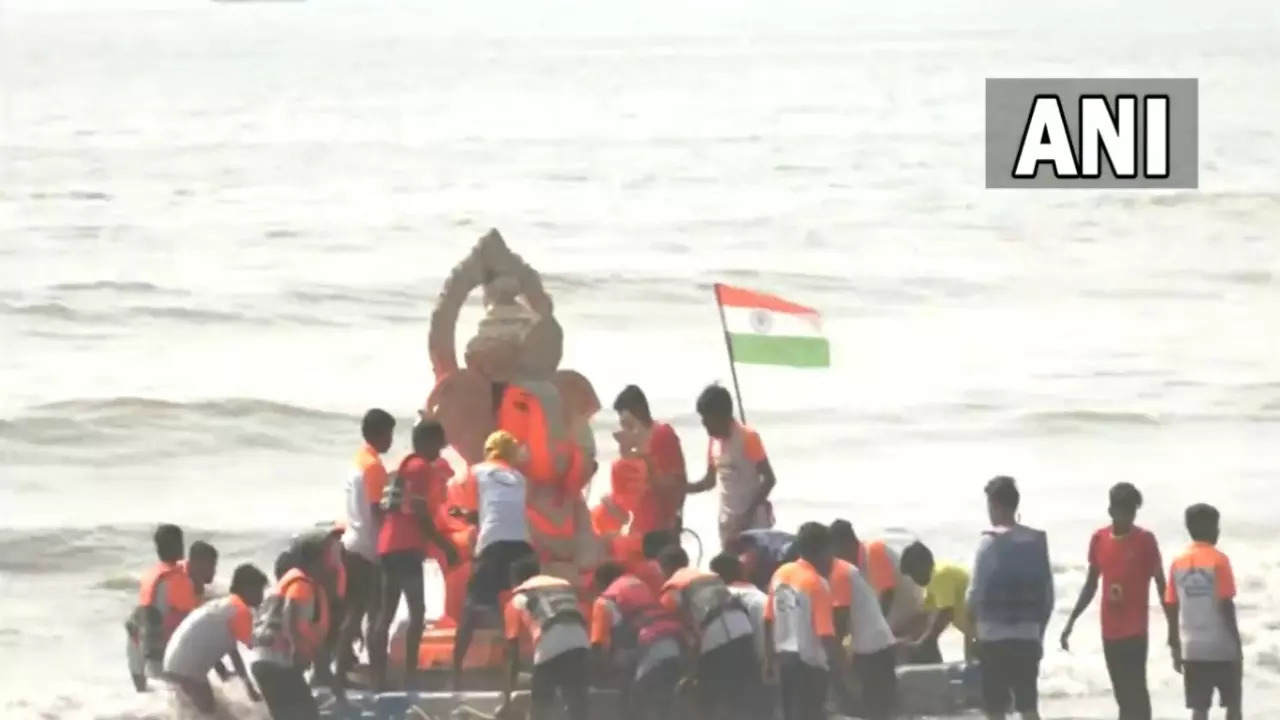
(628, 482)
(607, 518)
(151, 583)
(644, 620)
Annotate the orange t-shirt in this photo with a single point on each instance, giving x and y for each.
(878, 567)
(659, 507)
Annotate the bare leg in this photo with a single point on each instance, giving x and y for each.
(462, 643)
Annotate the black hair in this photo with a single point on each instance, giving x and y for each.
(728, 567)
(525, 568)
(673, 558)
(842, 531)
(606, 574)
(203, 550)
(632, 400)
(377, 423)
(916, 555)
(812, 540)
(428, 432)
(716, 401)
(655, 541)
(169, 545)
(741, 543)
(1125, 497)
(1003, 491)
(247, 578)
(309, 551)
(285, 562)
(1202, 522)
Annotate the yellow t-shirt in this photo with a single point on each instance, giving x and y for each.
(946, 591)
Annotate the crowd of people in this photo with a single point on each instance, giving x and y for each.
(796, 625)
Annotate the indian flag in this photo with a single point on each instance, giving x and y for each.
(767, 330)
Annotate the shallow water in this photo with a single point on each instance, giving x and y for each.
(222, 227)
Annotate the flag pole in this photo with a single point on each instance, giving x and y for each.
(733, 366)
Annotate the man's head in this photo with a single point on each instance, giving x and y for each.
(844, 541)
(1125, 499)
(285, 561)
(813, 543)
(428, 439)
(917, 563)
(169, 545)
(715, 407)
(524, 569)
(1203, 523)
(1002, 500)
(607, 574)
(655, 541)
(672, 559)
(202, 563)
(311, 553)
(503, 447)
(633, 409)
(728, 567)
(378, 429)
(249, 583)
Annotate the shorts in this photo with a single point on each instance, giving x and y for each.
(285, 691)
(404, 566)
(491, 573)
(803, 688)
(1010, 669)
(1200, 678)
(879, 678)
(566, 676)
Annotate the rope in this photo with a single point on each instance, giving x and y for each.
(697, 540)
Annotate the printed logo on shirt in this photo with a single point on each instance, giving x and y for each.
(1198, 583)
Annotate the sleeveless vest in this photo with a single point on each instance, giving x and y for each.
(1015, 591)
(551, 605)
(706, 599)
(272, 634)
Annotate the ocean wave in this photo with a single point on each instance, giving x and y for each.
(137, 288)
(122, 315)
(108, 552)
(106, 425)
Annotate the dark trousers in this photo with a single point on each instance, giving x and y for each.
(804, 688)
(285, 691)
(729, 680)
(653, 695)
(1127, 666)
(566, 676)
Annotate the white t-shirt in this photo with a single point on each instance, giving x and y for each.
(753, 599)
(361, 533)
(502, 501)
(206, 636)
(870, 629)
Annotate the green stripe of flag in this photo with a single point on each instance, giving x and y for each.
(781, 350)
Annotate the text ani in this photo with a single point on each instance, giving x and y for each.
(1103, 132)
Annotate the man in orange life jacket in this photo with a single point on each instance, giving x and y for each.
(725, 666)
(546, 609)
(406, 536)
(632, 632)
(289, 633)
(661, 506)
(165, 596)
(737, 464)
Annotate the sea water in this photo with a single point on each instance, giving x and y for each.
(222, 227)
